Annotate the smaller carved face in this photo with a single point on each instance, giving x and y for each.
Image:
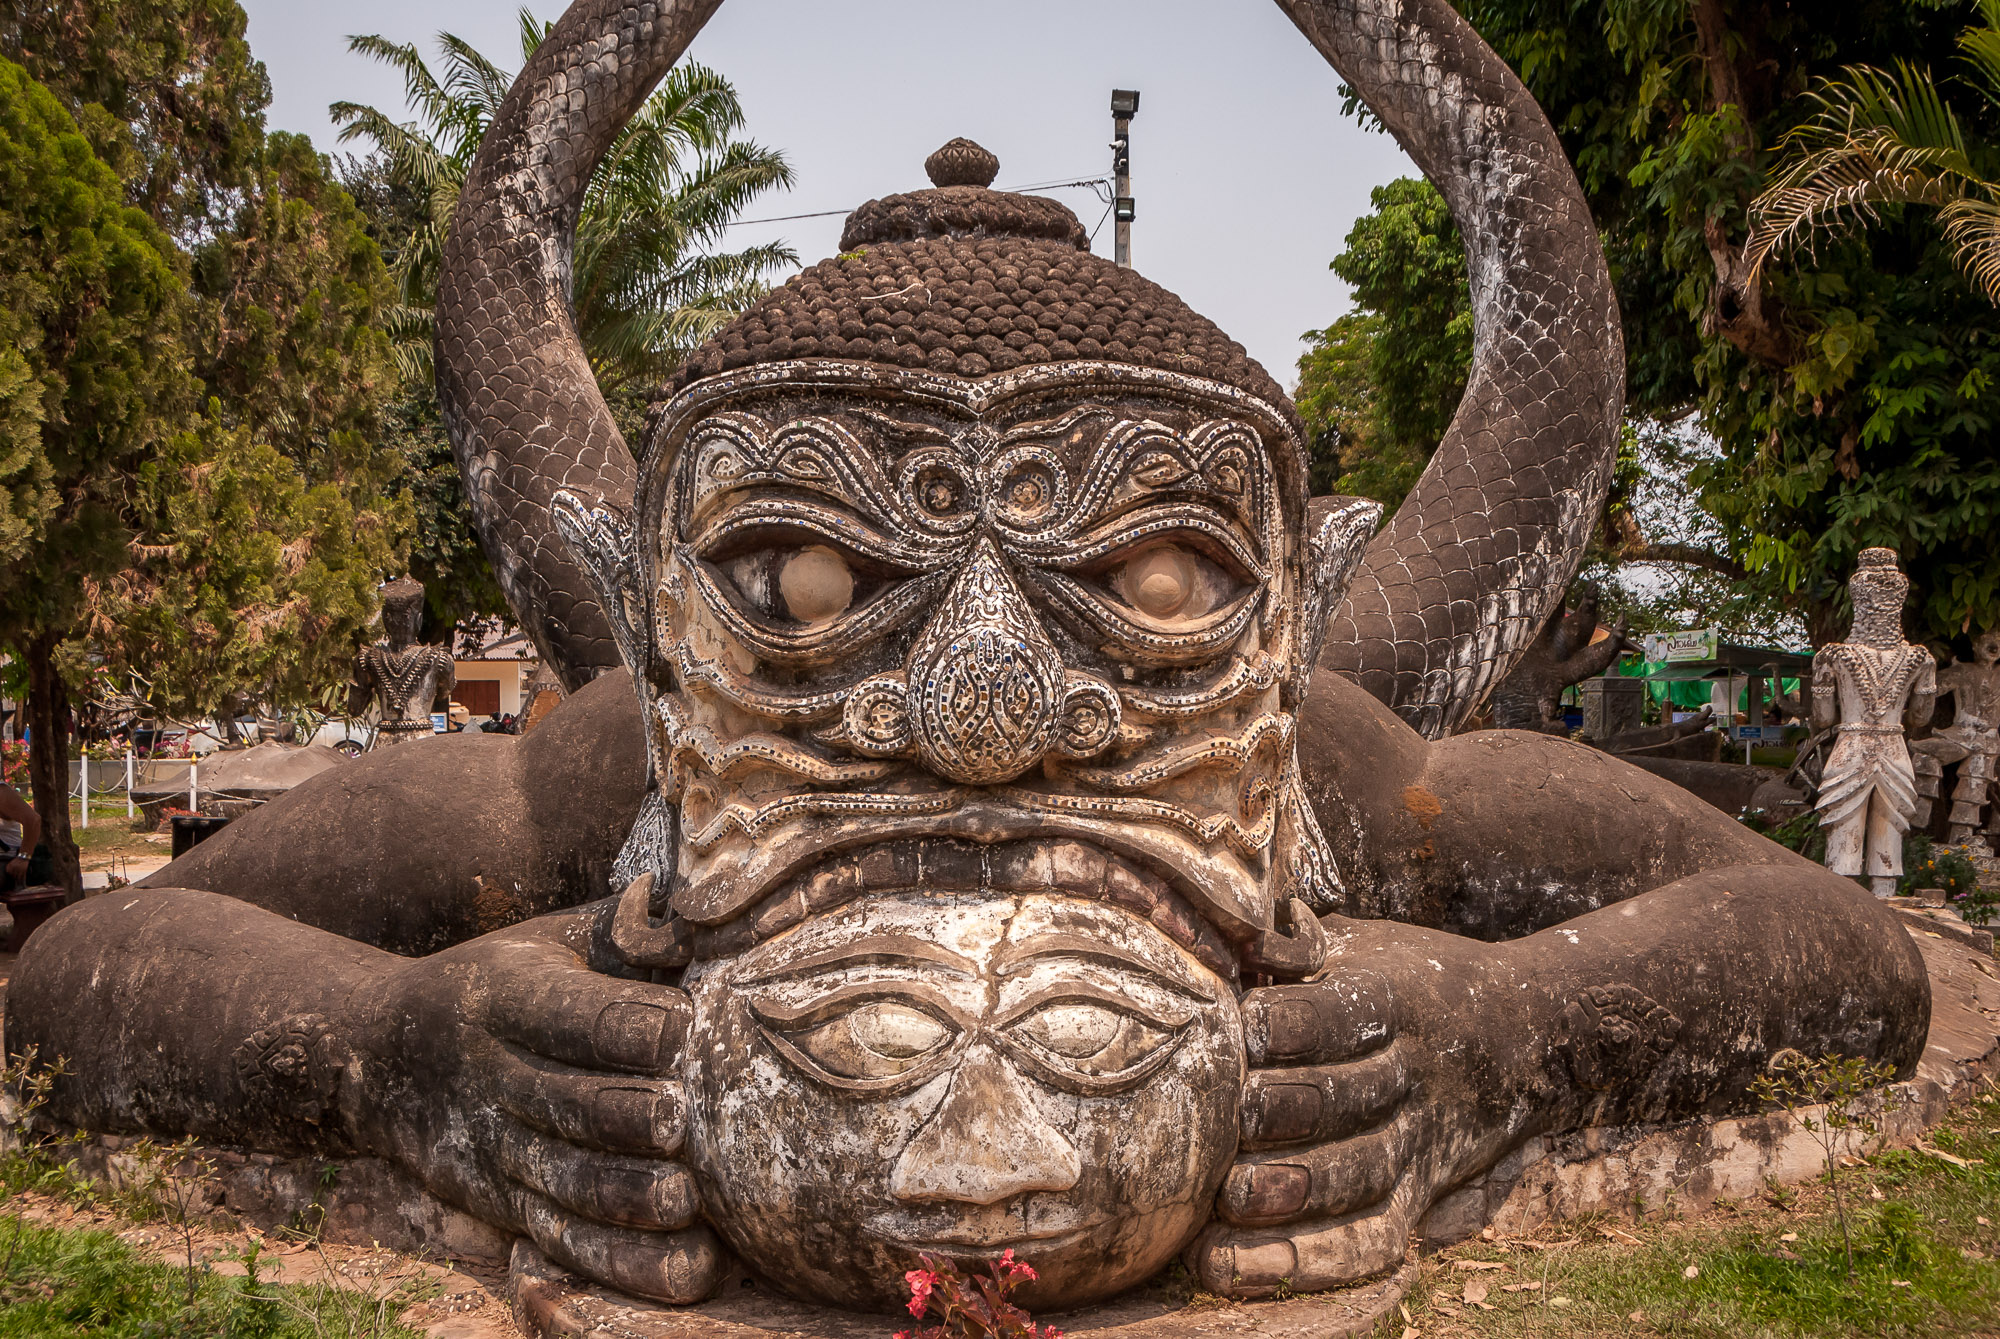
(957, 1076)
(1986, 649)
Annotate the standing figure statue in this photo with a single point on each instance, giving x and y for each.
(1973, 738)
(1873, 686)
(401, 676)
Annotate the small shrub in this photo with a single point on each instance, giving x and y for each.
(1946, 868)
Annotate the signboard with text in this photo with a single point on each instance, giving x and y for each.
(1679, 648)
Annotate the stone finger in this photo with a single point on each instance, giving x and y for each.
(617, 1115)
(1318, 1182)
(674, 1267)
(624, 1192)
(1349, 1015)
(1327, 1253)
(581, 1018)
(1317, 1104)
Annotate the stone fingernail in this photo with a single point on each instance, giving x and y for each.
(645, 1197)
(626, 1117)
(641, 1268)
(1271, 1262)
(1269, 1190)
(1291, 1028)
(629, 1035)
(1282, 1113)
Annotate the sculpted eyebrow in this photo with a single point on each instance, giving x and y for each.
(885, 950)
(1060, 945)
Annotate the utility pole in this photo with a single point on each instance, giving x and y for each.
(1124, 106)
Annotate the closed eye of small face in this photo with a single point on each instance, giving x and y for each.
(1090, 1040)
(881, 1039)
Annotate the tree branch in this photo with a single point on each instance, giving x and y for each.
(1691, 554)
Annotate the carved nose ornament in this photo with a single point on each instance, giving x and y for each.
(985, 695)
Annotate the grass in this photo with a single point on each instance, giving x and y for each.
(90, 1285)
(85, 1283)
(1924, 1248)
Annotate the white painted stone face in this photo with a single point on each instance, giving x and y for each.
(955, 1075)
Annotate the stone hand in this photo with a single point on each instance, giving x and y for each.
(1370, 1091)
(536, 1093)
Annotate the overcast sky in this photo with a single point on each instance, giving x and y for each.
(1246, 174)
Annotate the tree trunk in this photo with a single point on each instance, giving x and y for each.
(47, 710)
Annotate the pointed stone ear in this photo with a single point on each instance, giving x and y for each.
(1333, 555)
(601, 539)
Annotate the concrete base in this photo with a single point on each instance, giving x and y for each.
(1615, 1171)
(549, 1304)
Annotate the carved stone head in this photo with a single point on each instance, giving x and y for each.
(1986, 648)
(1879, 591)
(402, 611)
(970, 601)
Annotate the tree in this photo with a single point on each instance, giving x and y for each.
(1882, 138)
(1851, 392)
(165, 89)
(1378, 388)
(90, 293)
(267, 525)
(649, 283)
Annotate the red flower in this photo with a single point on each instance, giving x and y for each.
(1016, 1269)
(921, 1282)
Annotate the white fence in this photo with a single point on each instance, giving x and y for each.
(110, 779)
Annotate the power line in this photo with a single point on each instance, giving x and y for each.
(1095, 184)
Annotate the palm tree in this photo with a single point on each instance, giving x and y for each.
(1880, 138)
(650, 280)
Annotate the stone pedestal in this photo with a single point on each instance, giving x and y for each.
(1612, 706)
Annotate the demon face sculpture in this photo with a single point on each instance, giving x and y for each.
(971, 711)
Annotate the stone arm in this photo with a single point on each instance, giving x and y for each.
(1825, 694)
(417, 848)
(1422, 1058)
(1922, 706)
(447, 679)
(361, 693)
(514, 1076)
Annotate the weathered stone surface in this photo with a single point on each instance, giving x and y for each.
(1009, 891)
(1874, 687)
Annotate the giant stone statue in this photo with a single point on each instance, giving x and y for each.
(1031, 849)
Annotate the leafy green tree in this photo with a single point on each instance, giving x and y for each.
(166, 90)
(650, 282)
(266, 528)
(1851, 391)
(91, 296)
(1378, 388)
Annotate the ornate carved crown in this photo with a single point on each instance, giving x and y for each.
(971, 281)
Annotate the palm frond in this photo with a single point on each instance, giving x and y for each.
(1875, 139)
(1972, 226)
(1980, 47)
(534, 32)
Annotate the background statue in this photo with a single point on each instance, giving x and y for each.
(1530, 697)
(401, 677)
(1874, 686)
(1972, 739)
(1004, 874)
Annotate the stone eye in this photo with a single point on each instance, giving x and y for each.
(816, 584)
(1161, 581)
(879, 1040)
(812, 585)
(1091, 1039)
